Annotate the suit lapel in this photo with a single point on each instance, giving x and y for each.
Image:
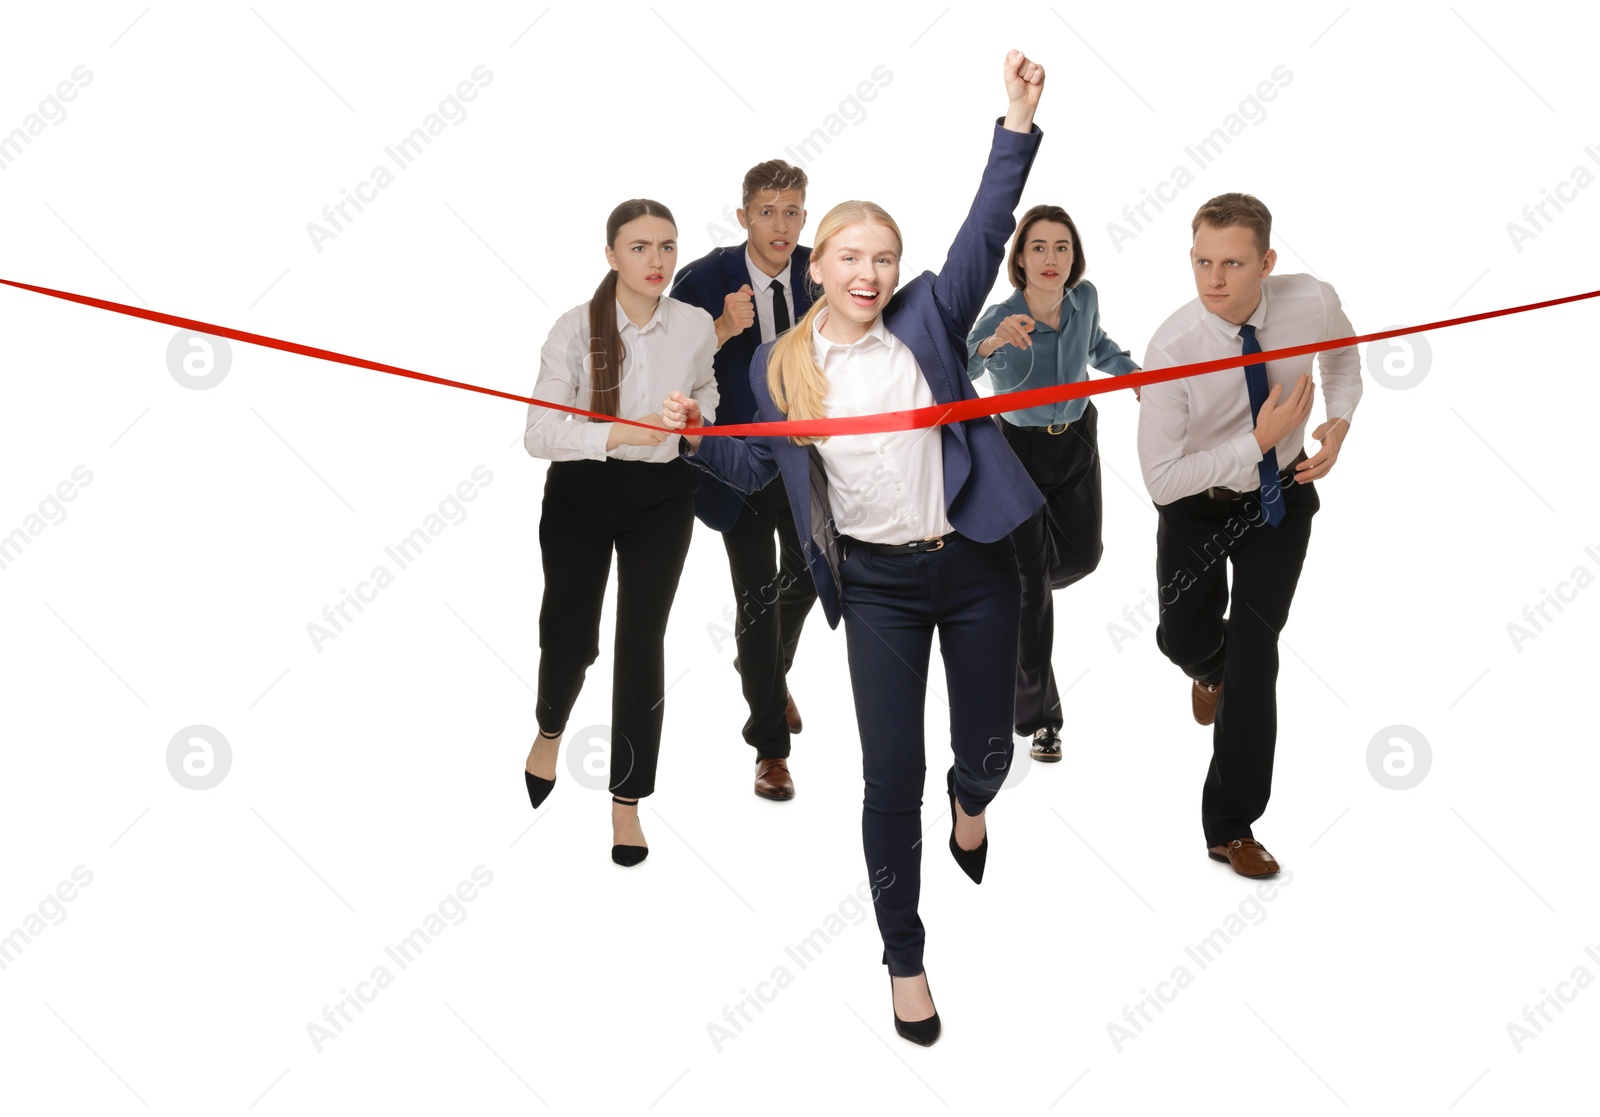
(800, 284)
(738, 270)
(913, 330)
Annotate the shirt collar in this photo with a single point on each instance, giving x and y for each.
(659, 318)
(1258, 318)
(877, 335)
(759, 279)
(1018, 303)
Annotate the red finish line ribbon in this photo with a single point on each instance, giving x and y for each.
(937, 415)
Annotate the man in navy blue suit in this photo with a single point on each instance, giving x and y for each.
(755, 291)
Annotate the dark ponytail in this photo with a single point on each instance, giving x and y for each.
(605, 343)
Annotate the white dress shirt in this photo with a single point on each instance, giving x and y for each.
(883, 488)
(761, 283)
(671, 351)
(1197, 432)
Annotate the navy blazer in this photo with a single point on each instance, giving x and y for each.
(987, 492)
(706, 283)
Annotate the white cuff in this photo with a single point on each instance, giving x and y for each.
(1248, 451)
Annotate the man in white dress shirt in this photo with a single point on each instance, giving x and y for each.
(1223, 458)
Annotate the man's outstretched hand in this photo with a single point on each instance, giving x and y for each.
(1331, 435)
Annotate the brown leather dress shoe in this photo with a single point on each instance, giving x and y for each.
(772, 778)
(1203, 699)
(790, 714)
(1248, 857)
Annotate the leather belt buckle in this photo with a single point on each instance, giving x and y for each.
(1051, 429)
(915, 547)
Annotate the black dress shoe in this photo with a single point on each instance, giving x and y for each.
(539, 788)
(1046, 746)
(970, 860)
(628, 856)
(922, 1032)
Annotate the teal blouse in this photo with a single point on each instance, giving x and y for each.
(1057, 356)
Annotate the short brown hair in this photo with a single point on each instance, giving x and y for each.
(1014, 268)
(1226, 210)
(774, 174)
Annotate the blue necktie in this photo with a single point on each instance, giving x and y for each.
(1255, 381)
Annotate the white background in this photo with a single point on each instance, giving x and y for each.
(370, 777)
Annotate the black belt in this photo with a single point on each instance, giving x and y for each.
(1285, 478)
(1053, 428)
(917, 547)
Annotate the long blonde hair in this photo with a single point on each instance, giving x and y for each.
(797, 385)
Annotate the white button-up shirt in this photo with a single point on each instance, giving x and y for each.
(761, 283)
(1197, 432)
(672, 351)
(883, 488)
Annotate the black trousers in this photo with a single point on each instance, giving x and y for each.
(1056, 546)
(893, 604)
(1240, 650)
(645, 512)
(773, 594)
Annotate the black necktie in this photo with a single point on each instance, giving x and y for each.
(780, 310)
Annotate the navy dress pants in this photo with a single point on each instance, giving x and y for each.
(969, 593)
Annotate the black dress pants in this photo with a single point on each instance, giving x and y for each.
(645, 512)
(1056, 546)
(1194, 536)
(772, 594)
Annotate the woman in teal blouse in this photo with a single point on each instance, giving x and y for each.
(1048, 333)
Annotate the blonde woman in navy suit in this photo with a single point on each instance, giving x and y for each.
(906, 534)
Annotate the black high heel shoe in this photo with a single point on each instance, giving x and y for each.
(922, 1032)
(539, 788)
(970, 860)
(628, 855)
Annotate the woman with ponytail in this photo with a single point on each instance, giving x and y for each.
(611, 486)
(906, 533)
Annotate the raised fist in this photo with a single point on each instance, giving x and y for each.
(738, 311)
(1024, 79)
